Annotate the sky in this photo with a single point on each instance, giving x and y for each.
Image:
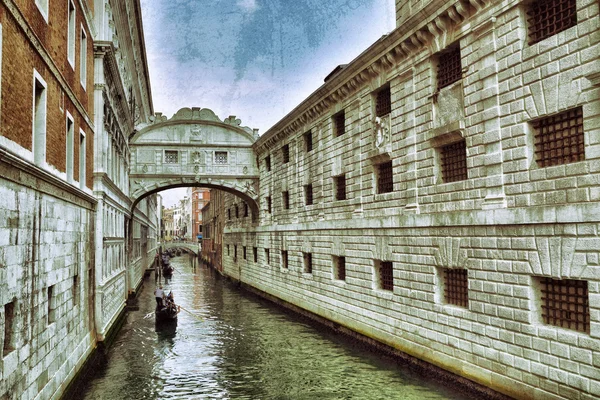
(255, 59)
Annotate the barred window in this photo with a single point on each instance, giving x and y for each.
(228, 250)
(383, 102)
(548, 17)
(456, 287)
(237, 211)
(244, 252)
(339, 123)
(308, 194)
(308, 141)
(340, 267)
(255, 251)
(229, 213)
(308, 266)
(453, 160)
(559, 138)
(286, 200)
(269, 208)
(235, 252)
(220, 157)
(9, 327)
(268, 163)
(565, 303)
(284, 259)
(245, 209)
(385, 180)
(449, 67)
(171, 156)
(340, 187)
(386, 275)
(268, 256)
(285, 150)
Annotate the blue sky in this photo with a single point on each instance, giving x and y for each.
(256, 59)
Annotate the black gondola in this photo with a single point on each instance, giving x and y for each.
(166, 314)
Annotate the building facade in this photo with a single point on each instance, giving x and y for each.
(440, 193)
(200, 197)
(213, 217)
(63, 186)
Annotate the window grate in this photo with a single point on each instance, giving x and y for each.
(234, 252)
(229, 213)
(245, 209)
(456, 287)
(340, 187)
(237, 211)
(269, 205)
(286, 200)
(308, 141)
(565, 303)
(220, 157)
(383, 103)
(454, 162)
(559, 138)
(341, 268)
(308, 194)
(284, 259)
(244, 252)
(308, 266)
(386, 275)
(255, 251)
(268, 256)
(171, 157)
(449, 67)
(548, 17)
(285, 150)
(339, 122)
(268, 163)
(385, 180)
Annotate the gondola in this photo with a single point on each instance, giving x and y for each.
(166, 314)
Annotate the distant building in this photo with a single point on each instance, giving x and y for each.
(200, 197)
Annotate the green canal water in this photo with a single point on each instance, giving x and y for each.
(242, 348)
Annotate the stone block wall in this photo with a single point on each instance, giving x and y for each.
(45, 263)
(450, 272)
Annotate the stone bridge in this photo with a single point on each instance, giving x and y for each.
(190, 246)
(194, 148)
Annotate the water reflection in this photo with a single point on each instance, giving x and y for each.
(229, 345)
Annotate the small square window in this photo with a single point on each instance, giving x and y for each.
(453, 159)
(284, 259)
(220, 157)
(268, 256)
(9, 328)
(385, 178)
(269, 208)
(308, 194)
(308, 266)
(339, 265)
(340, 187)
(285, 196)
(285, 151)
(385, 271)
(559, 138)
(339, 123)
(255, 253)
(565, 303)
(548, 17)
(268, 163)
(308, 141)
(449, 67)
(171, 156)
(383, 102)
(456, 287)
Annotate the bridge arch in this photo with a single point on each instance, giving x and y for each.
(194, 148)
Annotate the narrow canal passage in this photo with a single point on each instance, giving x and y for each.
(242, 348)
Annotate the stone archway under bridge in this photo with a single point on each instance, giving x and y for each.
(194, 148)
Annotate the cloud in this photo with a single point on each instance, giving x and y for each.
(248, 5)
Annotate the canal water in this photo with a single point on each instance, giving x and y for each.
(232, 345)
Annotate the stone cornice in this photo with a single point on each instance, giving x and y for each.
(435, 19)
(48, 60)
(69, 193)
